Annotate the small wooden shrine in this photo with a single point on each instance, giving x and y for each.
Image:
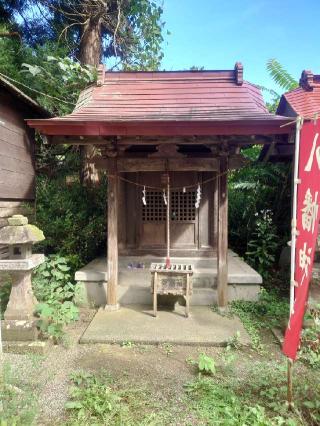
(190, 125)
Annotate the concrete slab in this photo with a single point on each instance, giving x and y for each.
(135, 323)
(134, 283)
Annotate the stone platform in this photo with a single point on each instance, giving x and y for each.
(134, 283)
(136, 324)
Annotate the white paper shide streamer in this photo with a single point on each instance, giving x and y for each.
(164, 197)
(144, 198)
(197, 203)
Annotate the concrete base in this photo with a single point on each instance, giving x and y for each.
(137, 324)
(19, 330)
(134, 283)
(24, 348)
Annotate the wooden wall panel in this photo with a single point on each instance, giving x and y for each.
(17, 171)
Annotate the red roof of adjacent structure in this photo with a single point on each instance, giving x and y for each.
(303, 101)
(166, 97)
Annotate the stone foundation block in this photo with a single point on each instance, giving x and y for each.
(23, 348)
(21, 330)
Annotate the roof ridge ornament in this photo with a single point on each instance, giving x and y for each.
(306, 80)
(238, 71)
(101, 74)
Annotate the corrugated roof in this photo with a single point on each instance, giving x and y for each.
(161, 96)
(305, 100)
(181, 97)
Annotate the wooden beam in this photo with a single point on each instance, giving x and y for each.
(158, 164)
(112, 251)
(222, 266)
(160, 140)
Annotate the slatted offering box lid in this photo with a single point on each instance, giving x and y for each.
(174, 268)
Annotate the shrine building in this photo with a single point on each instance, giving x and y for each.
(167, 141)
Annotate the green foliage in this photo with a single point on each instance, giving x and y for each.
(280, 75)
(206, 364)
(55, 291)
(310, 340)
(252, 190)
(18, 406)
(131, 31)
(216, 404)
(96, 400)
(264, 244)
(60, 79)
(5, 289)
(269, 311)
(72, 218)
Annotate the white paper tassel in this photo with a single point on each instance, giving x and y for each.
(164, 197)
(197, 204)
(184, 190)
(144, 200)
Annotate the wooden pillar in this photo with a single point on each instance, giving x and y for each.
(112, 250)
(222, 254)
(214, 220)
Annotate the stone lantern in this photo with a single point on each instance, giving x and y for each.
(19, 322)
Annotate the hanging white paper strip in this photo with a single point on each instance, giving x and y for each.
(144, 200)
(197, 203)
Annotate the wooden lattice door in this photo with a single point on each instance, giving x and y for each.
(183, 214)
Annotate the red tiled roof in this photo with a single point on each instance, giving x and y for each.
(305, 100)
(161, 97)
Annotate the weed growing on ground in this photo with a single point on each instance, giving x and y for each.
(310, 348)
(168, 348)
(217, 404)
(18, 406)
(55, 291)
(128, 344)
(269, 311)
(95, 399)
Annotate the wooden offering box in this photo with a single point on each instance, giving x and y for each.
(175, 279)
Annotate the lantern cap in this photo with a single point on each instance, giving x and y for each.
(19, 231)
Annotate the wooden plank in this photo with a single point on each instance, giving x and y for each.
(145, 126)
(16, 165)
(18, 152)
(159, 164)
(15, 185)
(113, 189)
(222, 258)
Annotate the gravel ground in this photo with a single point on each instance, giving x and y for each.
(161, 370)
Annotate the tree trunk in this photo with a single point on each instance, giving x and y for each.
(90, 54)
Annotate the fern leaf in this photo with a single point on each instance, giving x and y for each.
(280, 75)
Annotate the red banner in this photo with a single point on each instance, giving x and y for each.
(308, 198)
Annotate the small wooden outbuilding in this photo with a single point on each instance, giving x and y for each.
(17, 143)
(188, 125)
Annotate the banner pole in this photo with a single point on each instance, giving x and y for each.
(289, 389)
(294, 211)
(293, 249)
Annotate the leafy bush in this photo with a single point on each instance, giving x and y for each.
(206, 364)
(72, 218)
(55, 292)
(263, 245)
(258, 187)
